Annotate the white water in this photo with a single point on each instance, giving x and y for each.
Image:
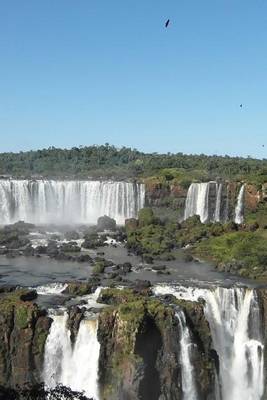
(187, 369)
(240, 348)
(51, 288)
(199, 201)
(239, 210)
(77, 367)
(217, 216)
(64, 202)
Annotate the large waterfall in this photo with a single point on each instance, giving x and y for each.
(187, 368)
(75, 366)
(238, 342)
(207, 200)
(239, 210)
(49, 201)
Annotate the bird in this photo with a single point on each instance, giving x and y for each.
(263, 145)
(167, 23)
(241, 105)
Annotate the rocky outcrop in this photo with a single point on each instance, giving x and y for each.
(23, 331)
(140, 348)
(167, 195)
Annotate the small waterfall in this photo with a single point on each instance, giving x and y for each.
(51, 288)
(48, 201)
(188, 379)
(217, 216)
(208, 200)
(239, 346)
(239, 210)
(197, 201)
(74, 367)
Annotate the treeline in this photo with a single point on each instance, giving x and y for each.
(109, 161)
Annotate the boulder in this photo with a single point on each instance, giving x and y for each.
(106, 223)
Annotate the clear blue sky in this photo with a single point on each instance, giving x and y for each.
(81, 72)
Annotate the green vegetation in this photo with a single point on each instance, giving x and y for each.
(259, 216)
(243, 253)
(159, 239)
(241, 250)
(99, 267)
(106, 160)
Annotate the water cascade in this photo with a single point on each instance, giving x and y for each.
(206, 200)
(237, 342)
(187, 369)
(239, 210)
(49, 201)
(75, 366)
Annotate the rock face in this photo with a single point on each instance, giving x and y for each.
(23, 331)
(140, 349)
(172, 196)
(165, 195)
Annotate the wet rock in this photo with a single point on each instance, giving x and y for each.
(84, 258)
(148, 259)
(159, 267)
(75, 317)
(106, 223)
(40, 250)
(188, 257)
(29, 251)
(72, 235)
(125, 268)
(82, 288)
(70, 247)
(29, 295)
(92, 241)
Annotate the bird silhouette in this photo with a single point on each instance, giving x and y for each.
(167, 23)
(241, 105)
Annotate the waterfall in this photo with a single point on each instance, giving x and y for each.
(239, 210)
(187, 369)
(217, 216)
(49, 201)
(75, 366)
(197, 201)
(208, 200)
(239, 346)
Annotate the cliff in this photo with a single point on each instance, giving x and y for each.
(23, 331)
(140, 350)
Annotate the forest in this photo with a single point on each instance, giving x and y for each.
(124, 163)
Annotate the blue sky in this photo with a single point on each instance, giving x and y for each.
(88, 72)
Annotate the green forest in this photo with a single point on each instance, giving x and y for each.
(122, 163)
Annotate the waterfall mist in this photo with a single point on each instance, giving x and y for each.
(68, 202)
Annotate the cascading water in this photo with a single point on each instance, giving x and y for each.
(239, 210)
(239, 347)
(206, 200)
(217, 216)
(74, 367)
(197, 201)
(48, 201)
(187, 369)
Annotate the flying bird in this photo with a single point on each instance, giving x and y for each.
(167, 23)
(241, 105)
